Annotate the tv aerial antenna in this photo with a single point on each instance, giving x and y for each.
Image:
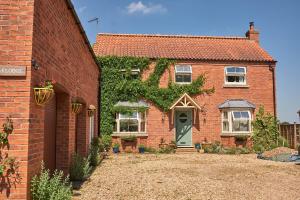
(95, 19)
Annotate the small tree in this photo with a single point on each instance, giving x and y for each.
(265, 130)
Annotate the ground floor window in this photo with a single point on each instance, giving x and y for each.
(236, 121)
(130, 122)
(92, 128)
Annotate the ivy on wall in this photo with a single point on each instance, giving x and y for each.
(118, 84)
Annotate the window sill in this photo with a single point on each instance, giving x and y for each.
(235, 86)
(236, 134)
(116, 134)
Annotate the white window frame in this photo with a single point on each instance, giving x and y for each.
(237, 74)
(183, 73)
(231, 119)
(92, 128)
(138, 118)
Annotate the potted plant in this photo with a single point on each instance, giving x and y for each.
(116, 147)
(141, 148)
(198, 146)
(43, 92)
(76, 107)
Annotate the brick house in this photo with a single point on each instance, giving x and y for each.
(242, 73)
(43, 40)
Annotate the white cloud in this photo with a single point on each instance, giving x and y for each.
(82, 9)
(139, 7)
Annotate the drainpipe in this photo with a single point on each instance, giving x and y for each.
(272, 69)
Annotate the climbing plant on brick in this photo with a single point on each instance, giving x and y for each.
(9, 167)
(118, 84)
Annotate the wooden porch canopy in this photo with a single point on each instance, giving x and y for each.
(185, 102)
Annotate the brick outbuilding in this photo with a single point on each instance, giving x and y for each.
(240, 70)
(39, 41)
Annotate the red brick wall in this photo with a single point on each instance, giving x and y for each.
(47, 32)
(16, 19)
(259, 92)
(61, 52)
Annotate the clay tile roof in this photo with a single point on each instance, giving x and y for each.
(180, 47)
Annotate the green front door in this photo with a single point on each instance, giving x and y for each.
(183, 128)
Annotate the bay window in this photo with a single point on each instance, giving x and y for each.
(133, 122)
(236, 121)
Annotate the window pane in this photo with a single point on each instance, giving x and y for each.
(183, 69)
(225, 126)
(179, 78)
(240, 126)
(236, 115)
(230, 70)
(187, 78)
(225, 115)
(245, 115)
(143, 126)
(240, 70)
(128, 115)
(133, 126)
(235, 79)
(128, 125)
(183, 78)
(142, 114)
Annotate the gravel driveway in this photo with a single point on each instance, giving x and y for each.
(191, 176)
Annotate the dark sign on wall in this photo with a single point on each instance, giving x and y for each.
(12, 71)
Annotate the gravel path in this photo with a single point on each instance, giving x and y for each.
(190, 177)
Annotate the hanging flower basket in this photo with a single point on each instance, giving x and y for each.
(91, 110)
(43, 92)
(76, 107)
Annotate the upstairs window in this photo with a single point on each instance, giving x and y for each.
(183, 74)
(134, 73)
(235, 75)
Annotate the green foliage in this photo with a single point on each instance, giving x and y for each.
(218, 148)
(130, 138)
(46, 187)
(150, 150)
(9, 166)
(142, 146)
(282, 142)
(94, 152)
(265, 131)
(118, 86)
(80, 168)
(116, 145)
(167, 149)
(106, 141)
(258, 148)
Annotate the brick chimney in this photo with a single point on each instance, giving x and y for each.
(252, 34)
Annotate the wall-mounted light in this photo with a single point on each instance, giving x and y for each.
(34, 64)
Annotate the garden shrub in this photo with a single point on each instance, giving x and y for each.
(282, 142)
(218, 148)
(94, 152)
(130, 138)
(80, 168)
(47, 187)
(107, 141)
(265, 130)
(150, 150)
(167, 149)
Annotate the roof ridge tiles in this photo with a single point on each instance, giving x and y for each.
(173, 36)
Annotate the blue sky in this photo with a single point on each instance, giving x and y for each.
(277, 21)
